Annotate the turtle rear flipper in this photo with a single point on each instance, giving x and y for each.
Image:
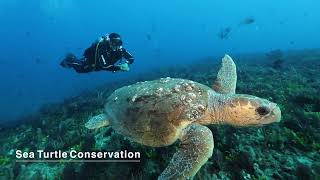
(227, 77)
(196, 148)
(97, 121)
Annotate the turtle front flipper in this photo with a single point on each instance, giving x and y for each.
(196, 148)
(227, 77)
(97, 121)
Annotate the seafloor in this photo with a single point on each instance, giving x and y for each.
(286, 150)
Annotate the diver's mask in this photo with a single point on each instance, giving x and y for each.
(115, 44)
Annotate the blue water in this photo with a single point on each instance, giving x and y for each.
(36, 34)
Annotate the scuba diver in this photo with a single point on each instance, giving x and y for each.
(105, 54)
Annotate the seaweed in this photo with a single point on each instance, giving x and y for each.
(288, 150)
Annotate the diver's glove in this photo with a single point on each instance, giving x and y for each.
(124, 67)
(68, 61)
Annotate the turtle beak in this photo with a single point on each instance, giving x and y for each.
(274, 115)
(277, 113)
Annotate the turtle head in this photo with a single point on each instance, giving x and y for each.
(238, 109)
(247, 110)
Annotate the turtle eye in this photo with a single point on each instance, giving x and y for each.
(262, 111)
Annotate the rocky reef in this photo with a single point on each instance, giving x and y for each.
(286, 150)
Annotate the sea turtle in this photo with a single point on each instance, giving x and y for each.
(159, 112)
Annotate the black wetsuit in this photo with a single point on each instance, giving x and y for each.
(105, 58)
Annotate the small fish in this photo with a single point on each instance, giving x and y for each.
(28, 33)
(148, 37)
(37, 60)
(224, 33)
(282, 22)
(247, 21)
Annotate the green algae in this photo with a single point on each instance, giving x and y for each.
(264, 153)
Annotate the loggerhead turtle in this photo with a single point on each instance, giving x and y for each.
(158, 113)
